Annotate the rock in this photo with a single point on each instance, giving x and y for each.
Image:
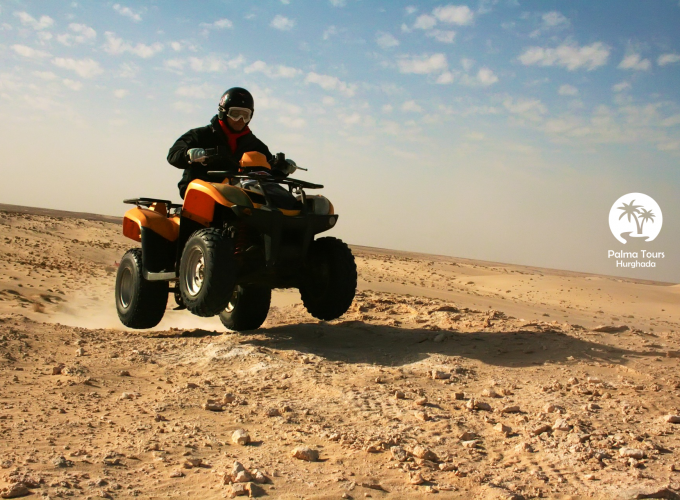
(191, 385)
(399, 453)
(424, 453)
(415, 478)
(439, 375)
(237, 467)
(239, 490)
(467, 436)
(638, 492)
(610, 328)
(80, 352)
(470, 444)
(399, 395)
(62, 462)
(273, 412)
(524, 447)
(440, 337)
(213, 407)
(305, 453)
(124, 373)
(459, 396)
(541, 429)
(177, 473)
(490, 393)
(421, 401)
(510, 409)
(632, 453)
(193, 462)
(447, 467)
(240, 436)
(549, 408)
(56, 370)
(503, 429)
(15, 491)
(672, 419)
(127, 395)
(561, 425)
(242, 477)
(228, 398)
(422, 416)
(260, 477)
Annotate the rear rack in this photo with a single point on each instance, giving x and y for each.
(147, 202)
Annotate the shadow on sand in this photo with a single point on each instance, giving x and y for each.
(358, 342)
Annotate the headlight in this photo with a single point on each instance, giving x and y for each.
(321, 205)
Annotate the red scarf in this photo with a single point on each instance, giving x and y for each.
(232, 137)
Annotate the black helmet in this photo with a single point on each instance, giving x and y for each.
(235, 97)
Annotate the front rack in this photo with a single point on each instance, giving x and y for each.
(147, 202)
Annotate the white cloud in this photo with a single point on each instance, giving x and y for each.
(85, 68)
(567, 55)
(328, 101)
(83, 33)
(386, 41)
(203, 91)
(387, 108)
(668, 59)
(338, 3)
(37, 24)
(292, 122)
(120, 93)
(353, 119)
(668, 146)
(423, 64)
(29, 52)
(184, 107)
(425, 22)
(621, 86)
(117, 46)
(411, 106)
(567, 89)
(554, 18)
(282, 23)
(454, 14)
(71, 84)
(411, 10)
(467, 63)
(445, 78)
(445, 36)
(530, 109)
(329, 32)
(45, 75)
(127, 12)
(328, 82)
(486, 77)
(635, 62)
(278, 71)
(285, 2)
(207, 64)
(220, 24)
(128, 70)
(671, 121)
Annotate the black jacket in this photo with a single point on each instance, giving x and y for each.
(211, 136)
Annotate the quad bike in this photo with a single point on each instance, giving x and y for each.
(229, 244)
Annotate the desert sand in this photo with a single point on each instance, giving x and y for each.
(448, 376)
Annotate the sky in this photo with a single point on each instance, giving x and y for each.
(500, 130)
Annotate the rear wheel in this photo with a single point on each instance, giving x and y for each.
(247, 308)
(330, 279)
(140, 303)
(207, 272)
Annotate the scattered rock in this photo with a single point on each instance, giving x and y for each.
(240, 436)
(399, 453)
(632, 453)
(56, 370)
(399, 395)
(439, 375)
(467, 436)
(561, 425)
(610, 328)
(459, 396)
(510, 409)
(273, 412)
(306, 453)
(127, 395)
(490, 393)
(80, 352)
(672, 419)
(15, 491)
(421, 401)
(242, 477)
(470, 444)
(177, 473)
(549, 408)
(422, 416)
(440, 337)
(541, 429)
(124, 373)
(656, 491)
(213, 406)
(524, 447)
(424, 453)
(415, 478)
(503, 429)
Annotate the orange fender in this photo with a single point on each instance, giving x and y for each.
(199, 202)
(137, 218)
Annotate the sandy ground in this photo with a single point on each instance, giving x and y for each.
(453, 377)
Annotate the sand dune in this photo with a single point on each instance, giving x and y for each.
(402, 397)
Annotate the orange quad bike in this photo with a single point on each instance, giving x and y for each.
(230, 243)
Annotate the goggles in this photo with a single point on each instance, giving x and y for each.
(239, 114)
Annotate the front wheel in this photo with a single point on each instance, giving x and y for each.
(140, 303)
(329, 280)
(207, 272)
(247, 309)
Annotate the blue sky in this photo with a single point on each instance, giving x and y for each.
(500, 130)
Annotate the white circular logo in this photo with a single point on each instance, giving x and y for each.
(635, 218)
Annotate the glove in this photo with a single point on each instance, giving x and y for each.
(197, 155)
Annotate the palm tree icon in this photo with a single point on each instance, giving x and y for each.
(632, 210)
(645, 215)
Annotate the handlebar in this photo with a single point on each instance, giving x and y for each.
(264, 177)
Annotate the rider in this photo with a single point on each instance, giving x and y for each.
(228, 130)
